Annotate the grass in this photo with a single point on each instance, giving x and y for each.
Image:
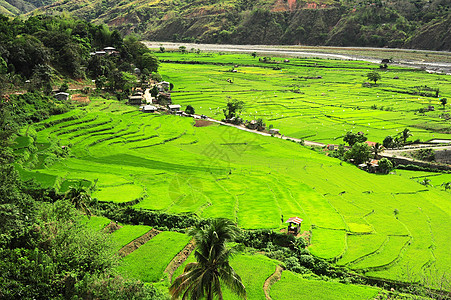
(218, 171)
(97, 223)
(148, 262)
(294, 286)
(253, 270)
(328, 243)
(119, 193)
(128, 233)
(300, 106)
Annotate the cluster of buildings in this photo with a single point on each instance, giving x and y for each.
(105, 51)
(151, 103)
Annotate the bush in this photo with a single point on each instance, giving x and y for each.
(385, 165)
(359, 153)
(189, 110)
(306, 261)
(424, 154)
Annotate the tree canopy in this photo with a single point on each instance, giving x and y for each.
(373, 76)
(203, 279)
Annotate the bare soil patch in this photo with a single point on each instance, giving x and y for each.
(202, 123)
(135, 244)
(80, 98)
(179, 259)
(271, 280)
(112, 227)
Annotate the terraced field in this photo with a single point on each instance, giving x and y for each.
(387, 226)
(165, 163)
(148, 261)
(318, 100)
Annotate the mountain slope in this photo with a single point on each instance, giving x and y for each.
(403, 23)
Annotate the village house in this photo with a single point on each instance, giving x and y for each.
(135, 99)
(105, 51)
(164, 98)
(149, 109)
(165, 85)
(174, 108)
(274, 131)
(252, 124)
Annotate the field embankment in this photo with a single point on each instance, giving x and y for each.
(172, 166)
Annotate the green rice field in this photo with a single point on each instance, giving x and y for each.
(148, 262)
(380, 225)
(128, 233)
(294, 286)
(313, 99)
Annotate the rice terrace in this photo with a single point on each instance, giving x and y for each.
(382, 228)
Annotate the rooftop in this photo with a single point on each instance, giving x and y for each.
(295, 220)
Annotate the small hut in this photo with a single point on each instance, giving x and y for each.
(294, 225)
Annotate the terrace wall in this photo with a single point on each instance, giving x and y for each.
(403, 161)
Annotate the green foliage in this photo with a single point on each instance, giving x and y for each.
(79, 197)
(3, 66)
(149, 61)
(385, 165)
(43, 47)
(388, 142)
(424, 154)
(233, 109)
(205, 277)
(405, 134)
(189, 110)
(351, 138)
(64, 87)
(373, 76)
(359, 153)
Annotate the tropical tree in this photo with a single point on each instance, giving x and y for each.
(202, 279)
(351, 138)
(443, 101)
(373, 76)
(189, 109)
(149, 61)
(388, 142)
(376, 149)
(233, 108)
(446, 185)
(359, 153)
(426, 182)
(79, 197)
(405, 134)
(385, 165)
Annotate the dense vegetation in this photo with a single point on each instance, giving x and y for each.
(46, 249)
(408, 23)
(167, 173)
(42, 51)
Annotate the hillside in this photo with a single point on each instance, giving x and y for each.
(405, 24)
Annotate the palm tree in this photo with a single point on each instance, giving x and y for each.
(204, 277)
(446, 185)
(405, 134)
(79, 197)
(376, 149)
(426, 182)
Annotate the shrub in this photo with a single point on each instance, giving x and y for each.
(385, 165)
(424, 154)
